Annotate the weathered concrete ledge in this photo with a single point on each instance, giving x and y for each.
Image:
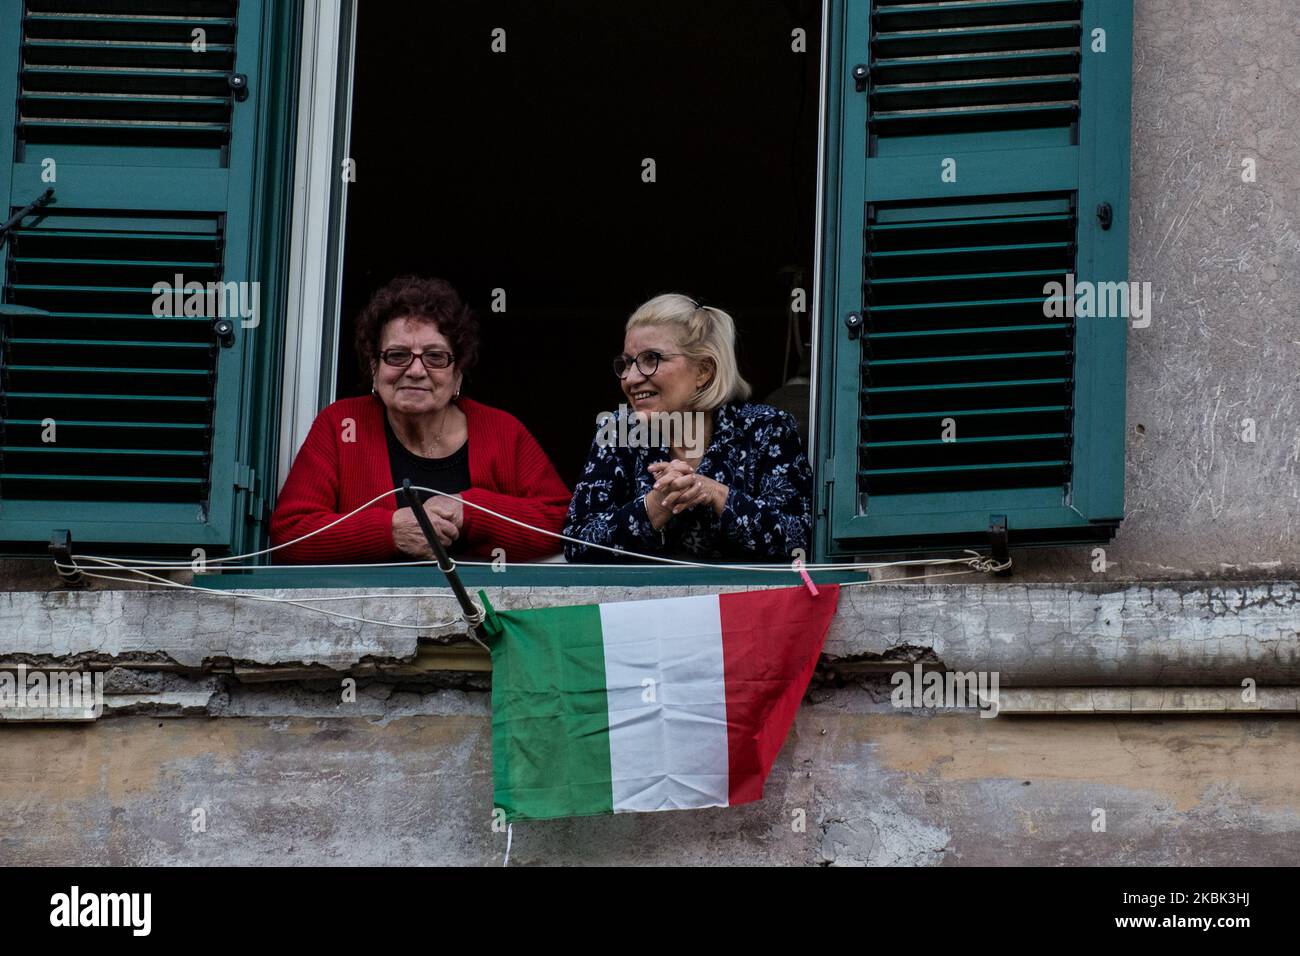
(1155, 701)
(1081, 634)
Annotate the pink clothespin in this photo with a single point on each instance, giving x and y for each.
(803, 573)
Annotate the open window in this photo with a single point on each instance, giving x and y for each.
(504, 146)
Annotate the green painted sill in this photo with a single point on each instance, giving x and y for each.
(514, 575)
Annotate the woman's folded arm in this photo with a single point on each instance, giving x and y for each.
(485, 532)
(537, 497)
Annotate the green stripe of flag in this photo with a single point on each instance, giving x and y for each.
(550, 714)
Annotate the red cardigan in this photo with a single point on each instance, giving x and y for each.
(508, 472)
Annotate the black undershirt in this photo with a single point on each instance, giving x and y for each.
(449, 475)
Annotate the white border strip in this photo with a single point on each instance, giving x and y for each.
(310, 361)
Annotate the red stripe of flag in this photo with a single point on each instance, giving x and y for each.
(770, 644)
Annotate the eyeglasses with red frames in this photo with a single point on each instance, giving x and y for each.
(402, 358)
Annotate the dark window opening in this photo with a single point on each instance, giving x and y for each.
(522, 171)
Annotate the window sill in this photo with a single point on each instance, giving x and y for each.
(517, 575)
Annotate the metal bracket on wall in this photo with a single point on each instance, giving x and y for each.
(61, 549)
(999, 549)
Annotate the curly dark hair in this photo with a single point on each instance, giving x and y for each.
(432, 299)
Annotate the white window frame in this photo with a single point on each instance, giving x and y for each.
(319, 209)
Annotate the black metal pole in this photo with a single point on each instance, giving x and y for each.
(445, 564)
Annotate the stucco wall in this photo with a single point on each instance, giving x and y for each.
(1213, 84)
(407, 780)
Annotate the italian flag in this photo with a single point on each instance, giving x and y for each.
(648, 705)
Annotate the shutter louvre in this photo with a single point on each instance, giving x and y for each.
(137, 79)
(924, 271)
(931, 73)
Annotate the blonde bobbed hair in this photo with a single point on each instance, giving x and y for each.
(702, 332)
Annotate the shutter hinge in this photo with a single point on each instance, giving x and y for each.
(246, 480)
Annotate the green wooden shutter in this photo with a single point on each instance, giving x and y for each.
(154, 159)
(948, 277)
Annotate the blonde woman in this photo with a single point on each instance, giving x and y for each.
(727, 478)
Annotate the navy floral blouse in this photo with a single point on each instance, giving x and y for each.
(755, 451)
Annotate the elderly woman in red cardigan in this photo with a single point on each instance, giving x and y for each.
(416, 340)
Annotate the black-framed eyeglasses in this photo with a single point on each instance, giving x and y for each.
(647, 362)
(402, 358)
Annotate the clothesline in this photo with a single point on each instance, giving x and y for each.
(144, 569)
(654, 558)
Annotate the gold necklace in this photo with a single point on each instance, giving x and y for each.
(442, 427)
(420, 446)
